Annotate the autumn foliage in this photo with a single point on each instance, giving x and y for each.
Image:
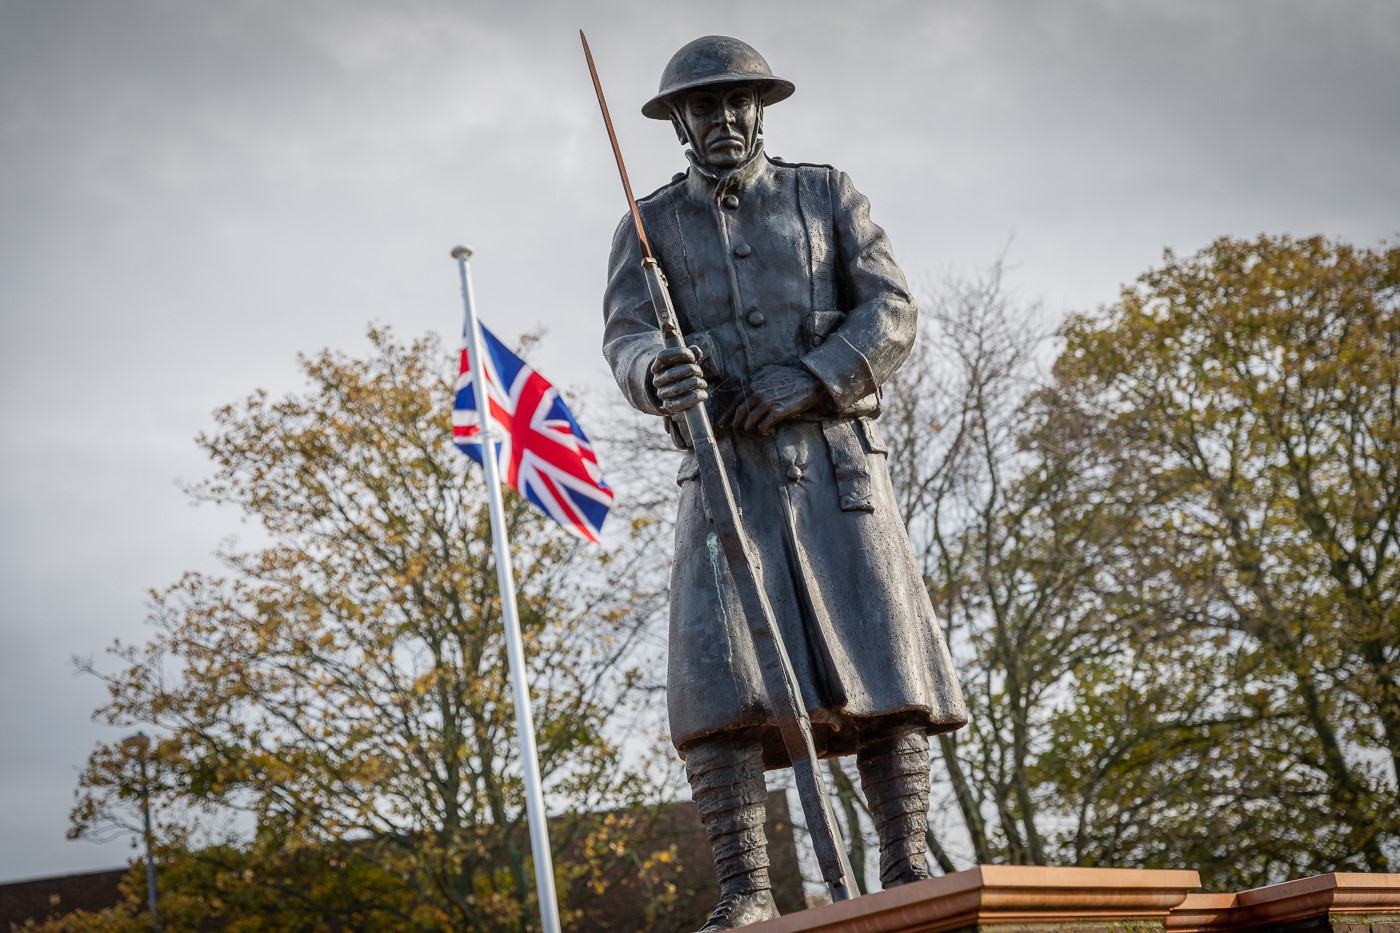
(336, 737)
(1170, 570)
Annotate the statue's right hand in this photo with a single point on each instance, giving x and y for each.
(676, 376)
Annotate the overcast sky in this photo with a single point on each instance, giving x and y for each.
(191, 193)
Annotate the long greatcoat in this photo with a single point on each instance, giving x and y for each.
(779, 263)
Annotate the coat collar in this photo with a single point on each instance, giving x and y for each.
(708, 186)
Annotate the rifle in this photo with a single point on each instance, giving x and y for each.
(779, 681)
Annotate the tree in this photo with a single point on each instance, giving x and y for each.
(1168, 572)
(1002, 553)
(336, 729)
(1246, 399)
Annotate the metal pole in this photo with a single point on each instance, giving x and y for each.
(150, 843)
(515, 651)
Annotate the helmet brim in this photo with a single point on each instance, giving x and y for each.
(774, 90)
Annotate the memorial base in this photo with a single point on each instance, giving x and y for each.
(1028, 899)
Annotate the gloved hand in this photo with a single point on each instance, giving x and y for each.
(778, 392)
(676, 377)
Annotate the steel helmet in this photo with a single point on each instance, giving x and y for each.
(715, 60)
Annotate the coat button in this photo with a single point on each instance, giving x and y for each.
(743, 251)
(794, 473)
(731, 201)
(755, 317)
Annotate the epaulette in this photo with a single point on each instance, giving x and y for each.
(676, 179)
(779, 160)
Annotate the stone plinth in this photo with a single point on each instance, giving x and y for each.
(1007, 899)
(1345, 902)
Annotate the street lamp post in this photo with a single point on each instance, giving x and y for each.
(140, 743)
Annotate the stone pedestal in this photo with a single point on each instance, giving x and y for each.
(1025, 899)
(1345, 902)
(1007, 899)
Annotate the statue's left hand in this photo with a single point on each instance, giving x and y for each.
(777, 393)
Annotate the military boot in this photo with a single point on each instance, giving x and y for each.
(726, 780)
(894, 775)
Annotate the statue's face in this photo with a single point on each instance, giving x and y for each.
(721, 121)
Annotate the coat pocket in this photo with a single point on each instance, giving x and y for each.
(853, 489)
(874, 440)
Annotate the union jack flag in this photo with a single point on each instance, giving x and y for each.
(542, 452)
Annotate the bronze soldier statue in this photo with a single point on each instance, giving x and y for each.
(795, 313)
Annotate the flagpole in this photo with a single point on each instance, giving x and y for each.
(515, 651)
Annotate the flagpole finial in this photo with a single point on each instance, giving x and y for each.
(461, 252)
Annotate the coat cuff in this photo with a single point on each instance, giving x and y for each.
(643, 390)
(843, 369)
(632, 358)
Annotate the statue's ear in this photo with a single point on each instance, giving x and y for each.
(679, 127)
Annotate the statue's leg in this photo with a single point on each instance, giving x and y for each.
(726, 780)
(894, 769)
